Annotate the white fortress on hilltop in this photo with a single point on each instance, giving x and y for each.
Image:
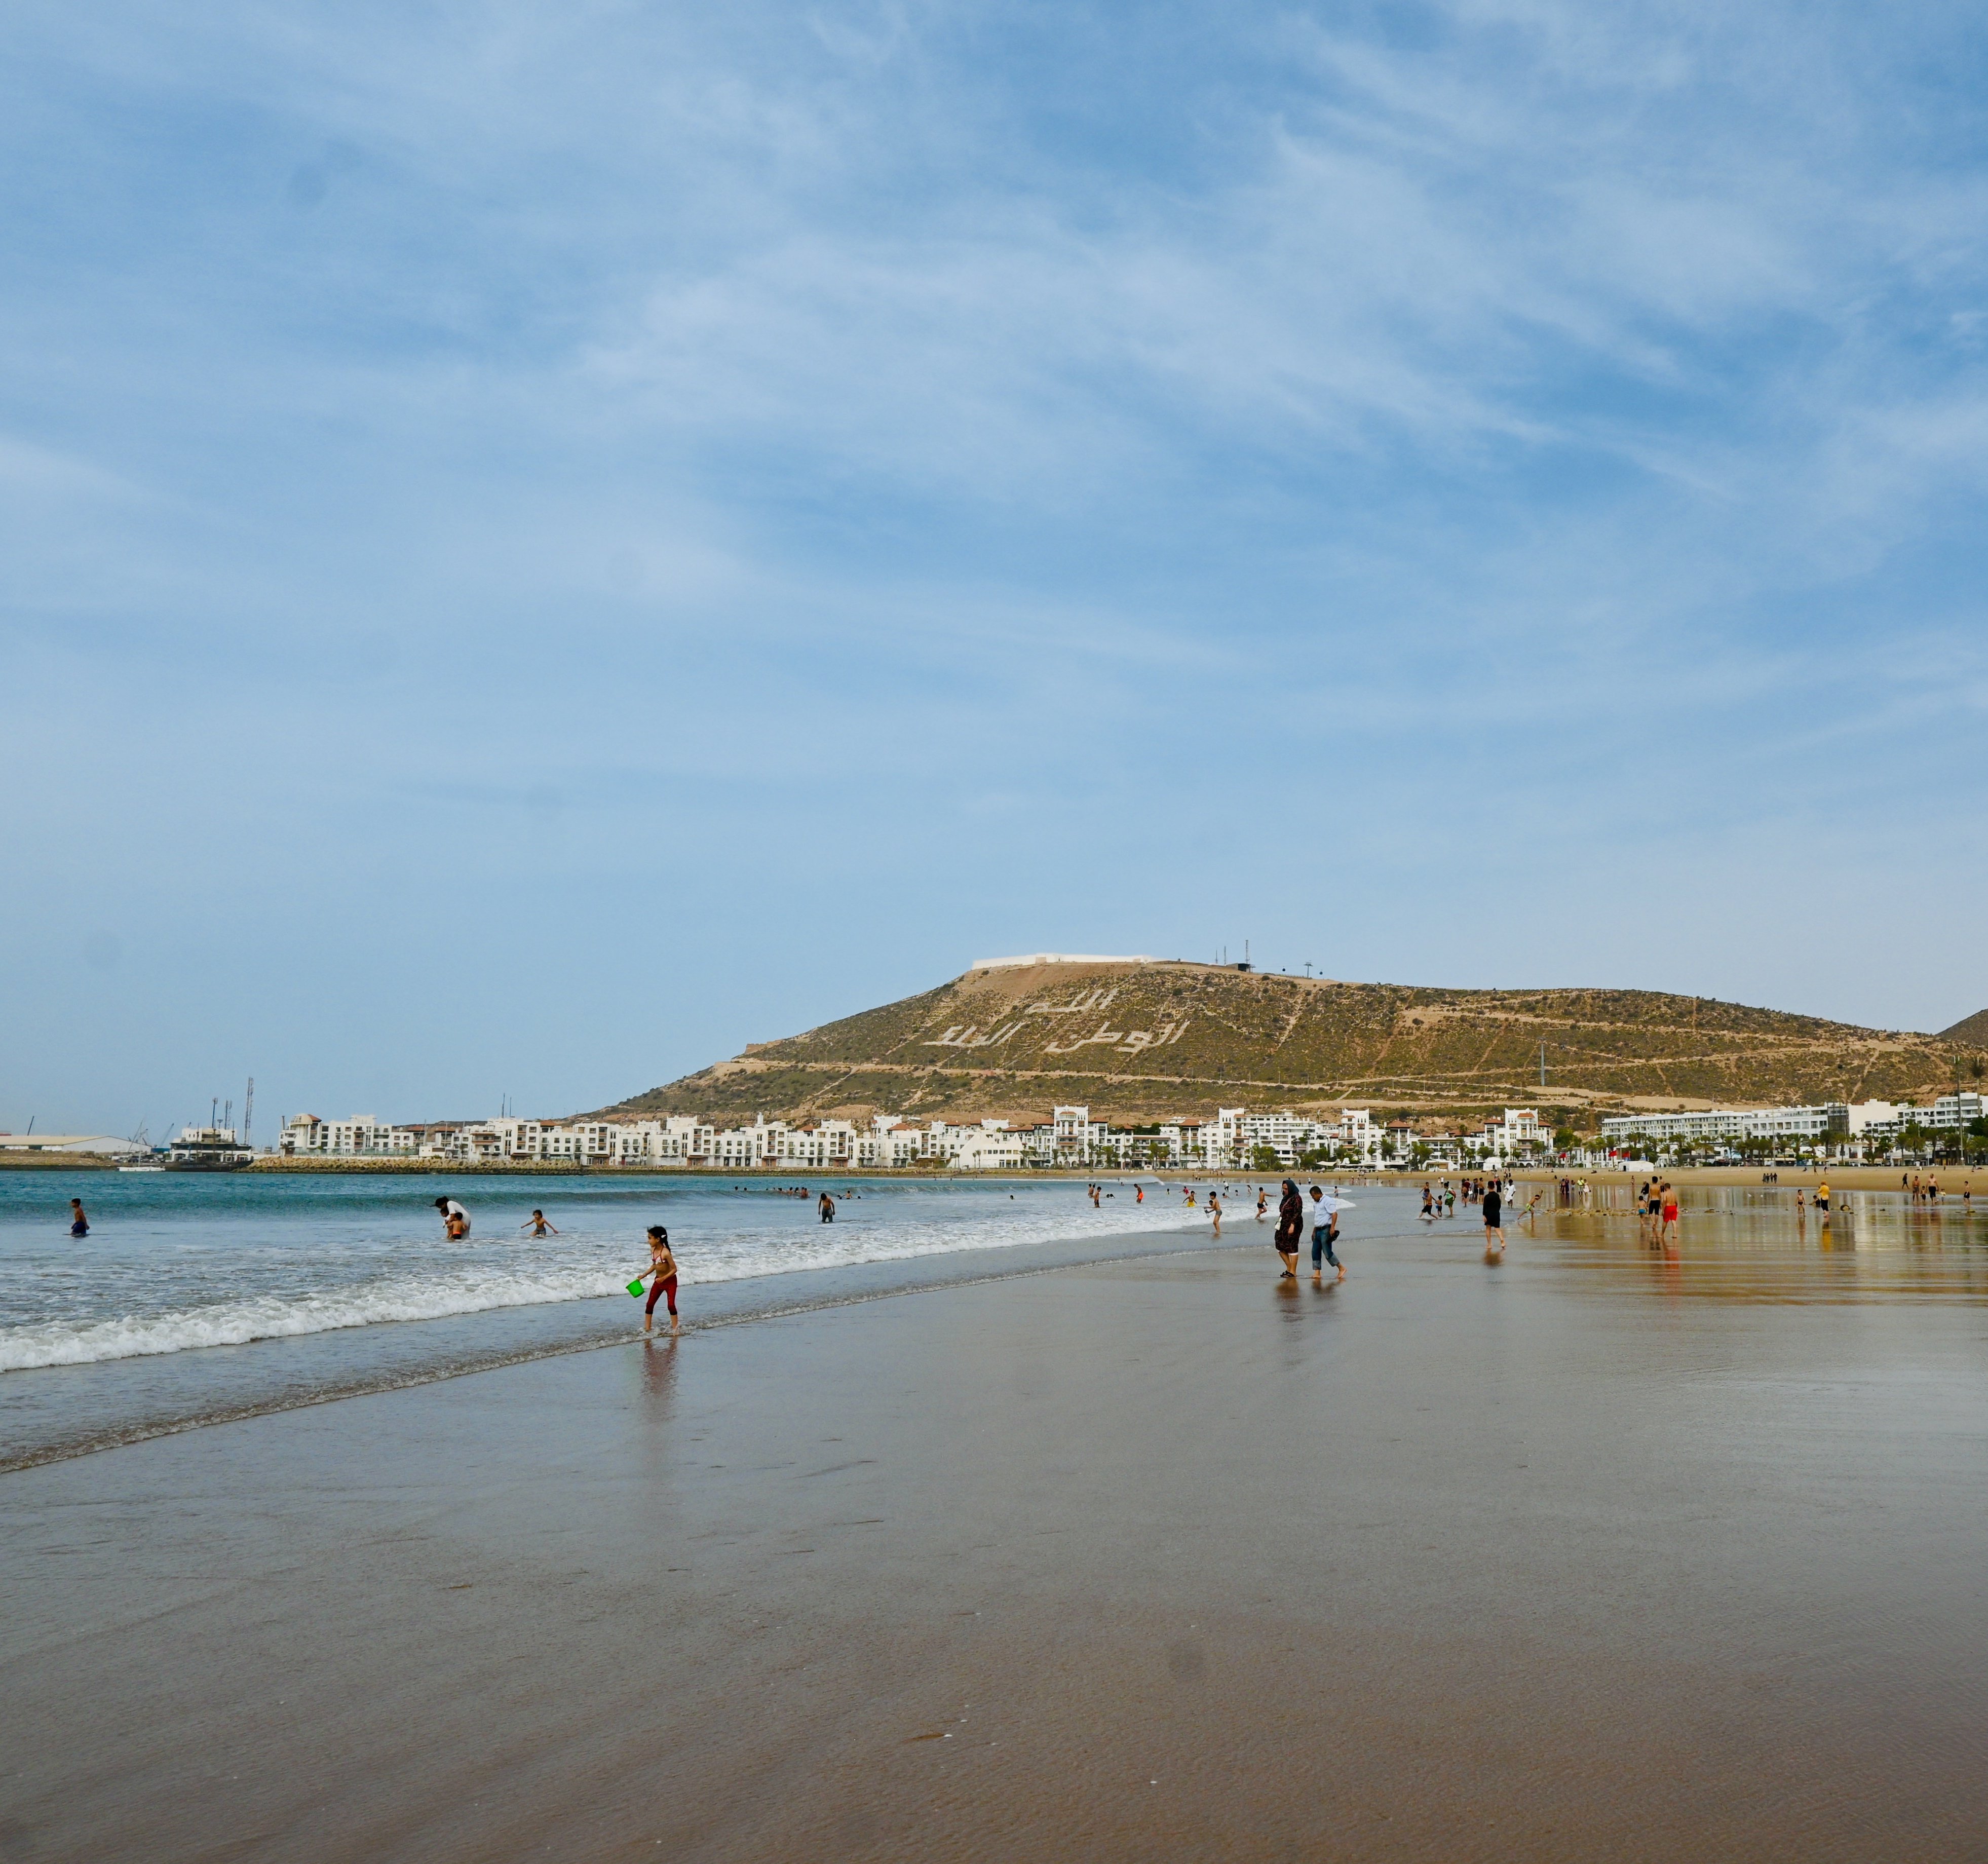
(1006, 964)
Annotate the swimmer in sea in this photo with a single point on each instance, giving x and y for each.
(79, 1224)
(538, 1225)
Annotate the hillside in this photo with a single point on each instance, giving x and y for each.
(1970, 1032)
(1142, 1042)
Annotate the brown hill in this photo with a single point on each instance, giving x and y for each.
(1142, 1042)
(1970, 1032)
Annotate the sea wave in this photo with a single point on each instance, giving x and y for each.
(390, 1297)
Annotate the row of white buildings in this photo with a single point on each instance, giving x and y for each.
(1831, 1122)
(1235, 1139)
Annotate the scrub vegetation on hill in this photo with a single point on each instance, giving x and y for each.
(1143, 1043)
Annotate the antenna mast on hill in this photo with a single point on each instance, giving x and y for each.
(1542, 1064)
(248, 1109)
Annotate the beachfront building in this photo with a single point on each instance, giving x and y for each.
(1828, 1119)
(1221, 1140)
(1824, 1121)
(991, 1147)
(1358, 1138)
(304, 1135)
(1070, 1130)
(1948, 1114)
(678, 1139)
(1071, 1139)
(1517, 1136)
(891, 1143)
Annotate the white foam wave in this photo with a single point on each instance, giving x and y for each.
(731, 1257)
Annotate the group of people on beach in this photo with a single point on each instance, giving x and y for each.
(1926, 1191)
(662, 1264)
(1439, 1201)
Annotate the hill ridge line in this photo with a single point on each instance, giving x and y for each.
(981, 1045)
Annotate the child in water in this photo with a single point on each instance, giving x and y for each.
(663, 1265)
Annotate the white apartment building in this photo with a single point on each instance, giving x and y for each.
(678, 1140)
(1950, 1111)
(1519, 1133)
(1071, 1128)
(1357, 1134)
(992, 1148)
(1070, 1139)
(1815, 1122)
(304, 1135)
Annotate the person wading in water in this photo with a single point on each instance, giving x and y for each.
(1324, 1233)
(663, 1265)
(1290, 1227)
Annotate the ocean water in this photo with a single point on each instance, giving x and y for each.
(178, 1261)
(202, 1295)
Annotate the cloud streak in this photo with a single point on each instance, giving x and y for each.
(1043, 470)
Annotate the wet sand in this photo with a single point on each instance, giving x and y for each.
(1600, 1552)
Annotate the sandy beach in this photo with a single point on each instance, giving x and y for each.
(1597, 1552)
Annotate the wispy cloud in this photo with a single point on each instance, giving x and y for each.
(1027, 453)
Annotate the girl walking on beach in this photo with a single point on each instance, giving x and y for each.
(1494, 1222)
(663, 1265)
(1290, 1227)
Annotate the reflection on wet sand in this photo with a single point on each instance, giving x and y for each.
(1756, 1245)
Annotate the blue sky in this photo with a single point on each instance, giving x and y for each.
(538, 545)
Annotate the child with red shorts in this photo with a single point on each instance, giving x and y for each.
(663, 1265)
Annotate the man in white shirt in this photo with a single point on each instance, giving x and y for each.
(1324, 1233)
(453, 1215)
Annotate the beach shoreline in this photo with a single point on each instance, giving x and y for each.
(1132, 1558)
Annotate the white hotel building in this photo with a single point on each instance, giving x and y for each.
(1071, 1138)
(1828, 1120)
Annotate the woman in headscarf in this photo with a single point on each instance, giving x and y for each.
(1290, 1227)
